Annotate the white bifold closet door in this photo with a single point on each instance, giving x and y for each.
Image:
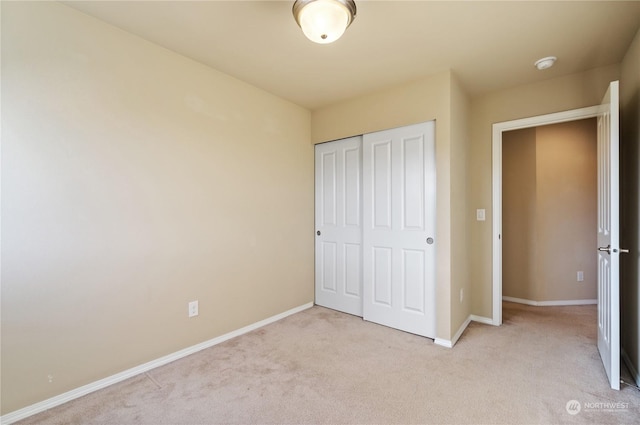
(375, 227)
(339, 225)
(399, 194)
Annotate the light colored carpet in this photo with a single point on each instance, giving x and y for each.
(321, 366)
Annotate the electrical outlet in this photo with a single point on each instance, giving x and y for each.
(461, 294)
(580, 276)
(50, 378)
(193, 308)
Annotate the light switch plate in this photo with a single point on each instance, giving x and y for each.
(480, 216)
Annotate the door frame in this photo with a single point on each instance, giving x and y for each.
(496, 184)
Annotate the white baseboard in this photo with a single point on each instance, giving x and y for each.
(450, 343)
(549, 303)
(461, 329)
(129, 373)
(443, 342)
(481, 319)
(632, 370)
(519, 300)
(472, 317)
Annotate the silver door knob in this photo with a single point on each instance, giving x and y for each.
(606, 249)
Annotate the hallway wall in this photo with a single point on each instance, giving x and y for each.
(549, 212)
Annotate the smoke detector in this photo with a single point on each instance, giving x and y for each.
(545, 63)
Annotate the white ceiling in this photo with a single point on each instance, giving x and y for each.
(488, 45)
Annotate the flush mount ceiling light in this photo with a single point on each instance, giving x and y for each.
(545, 63)
(324, 21)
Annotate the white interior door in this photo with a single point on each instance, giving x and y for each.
(608, 236)
(399, 228)
(339, 225)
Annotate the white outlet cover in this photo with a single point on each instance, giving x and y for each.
(193, 308)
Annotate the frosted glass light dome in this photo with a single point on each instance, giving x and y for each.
(324, 21)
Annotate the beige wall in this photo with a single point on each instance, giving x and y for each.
(554, 95)
(460, 310)
(630, 203)
(432, 98)
(135, 180)
(519, 240)
(549, 212)
(411, 103)
(566, 210)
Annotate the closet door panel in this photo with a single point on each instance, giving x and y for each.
(413, 214)
(329, 272)
(413, 277)
(399, 220)
(338, 181)
(382, 265)
(328, 213)
(352, 187)
(380, 161)
(353, 269)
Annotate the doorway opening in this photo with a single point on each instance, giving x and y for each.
(549, 214)
(498, 130)
(608, 246)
